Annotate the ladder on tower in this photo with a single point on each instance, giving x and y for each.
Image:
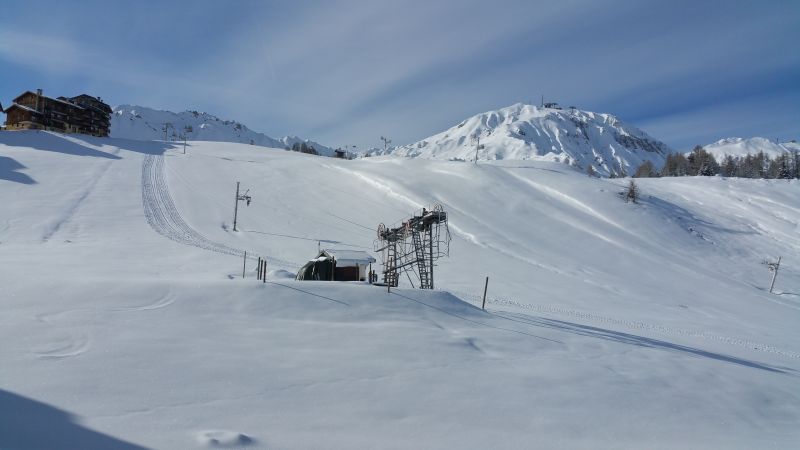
(390, 274)
(422, 263)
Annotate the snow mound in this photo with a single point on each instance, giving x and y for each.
(523, 132)
(224, 439)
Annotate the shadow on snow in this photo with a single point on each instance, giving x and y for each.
(632, 339)
(9, 168)
(27, 424)
(59, 143)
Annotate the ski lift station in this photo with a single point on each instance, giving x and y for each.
(337, 265)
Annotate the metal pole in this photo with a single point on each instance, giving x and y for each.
(775, 274)
(244, 264)
(430, 234)
(485, 287)
(236, 207)
(264, 275)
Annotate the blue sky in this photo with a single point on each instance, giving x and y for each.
(348, 72)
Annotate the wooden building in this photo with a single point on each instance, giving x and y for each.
(82, 114)
(337, 265)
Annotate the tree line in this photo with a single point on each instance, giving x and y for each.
(702, 163)
(302, 147)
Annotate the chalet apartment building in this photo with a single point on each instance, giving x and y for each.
(82, 114)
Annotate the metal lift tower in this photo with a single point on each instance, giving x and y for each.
(413, 246)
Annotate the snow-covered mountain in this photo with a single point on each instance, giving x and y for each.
(141, 123)
(739, 147)
(522, 132)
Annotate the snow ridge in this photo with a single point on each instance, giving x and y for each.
(739, 147)
(141, 123)
(522, 132)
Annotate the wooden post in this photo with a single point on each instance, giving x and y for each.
(485, 287)
(264, 272)
(258, 269)
(244, 264)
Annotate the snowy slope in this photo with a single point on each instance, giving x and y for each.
(523, 132)
(138, 122)
(127, 324)
(739, 147)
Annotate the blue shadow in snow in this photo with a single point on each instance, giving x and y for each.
(50, 142)
(685, 218)
(55, 142)
(632, 339)
(27, 424)
(9, 168)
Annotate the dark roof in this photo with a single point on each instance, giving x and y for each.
(101, 105)
(49, 98)
(68, 101)
(14, 105)
(88, 96)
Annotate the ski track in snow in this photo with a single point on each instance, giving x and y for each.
(164, 217)
(631, 324)
(77, 343)
(76, 204)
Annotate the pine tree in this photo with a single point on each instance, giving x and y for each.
(729, 166)
(702, 163)
(645, 170)
(632, 193)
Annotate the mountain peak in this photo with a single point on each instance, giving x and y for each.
(523, 131)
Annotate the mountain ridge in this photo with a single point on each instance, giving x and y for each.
(522, 131)
(143, 123)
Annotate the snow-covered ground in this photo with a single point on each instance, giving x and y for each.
(126, 322)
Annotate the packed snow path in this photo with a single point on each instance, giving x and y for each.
(163, 216)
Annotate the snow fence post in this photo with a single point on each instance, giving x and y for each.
(244, 264)
(264, 274)
(485, 287)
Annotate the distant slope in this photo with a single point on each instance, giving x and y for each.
(523, 132)
(739, 147)
(141, 123)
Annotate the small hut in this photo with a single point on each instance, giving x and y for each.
(337, 265)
